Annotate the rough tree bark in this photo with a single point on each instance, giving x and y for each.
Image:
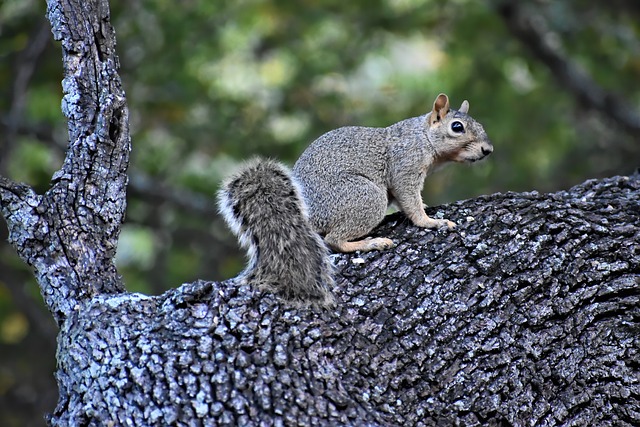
(69, 234)
(527, 314)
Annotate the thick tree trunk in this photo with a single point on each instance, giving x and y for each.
(527, 314)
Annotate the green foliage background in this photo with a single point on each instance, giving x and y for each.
(211, 83)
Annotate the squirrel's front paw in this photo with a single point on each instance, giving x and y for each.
(435, 223)
(445, 222)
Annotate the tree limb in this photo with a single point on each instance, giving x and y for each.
(529, 28)
(528, 314)
(18, 203)
(77, 221)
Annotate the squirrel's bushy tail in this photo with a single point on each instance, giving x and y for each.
(263, 207)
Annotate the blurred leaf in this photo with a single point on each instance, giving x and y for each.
(13, 328)
(136, 247)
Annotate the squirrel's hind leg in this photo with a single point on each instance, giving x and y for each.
(366, 245)
(366, 208)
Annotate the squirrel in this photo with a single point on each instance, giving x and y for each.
(340, 189)
(350, 176)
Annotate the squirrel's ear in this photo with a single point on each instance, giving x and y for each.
(440, 108)
(464, 108)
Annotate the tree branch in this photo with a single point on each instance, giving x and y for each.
(35, 241)
(529, 28)
(77, 221)
(17, 204)
(528, 314)
(94, 172)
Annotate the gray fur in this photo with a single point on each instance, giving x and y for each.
(263, 207)
(346, 179)
(350, 175)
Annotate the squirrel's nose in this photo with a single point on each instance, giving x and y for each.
(487, 149)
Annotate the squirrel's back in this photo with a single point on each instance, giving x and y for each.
(263, 207)
(358, 149)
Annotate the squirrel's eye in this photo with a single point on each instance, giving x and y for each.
(457, 127)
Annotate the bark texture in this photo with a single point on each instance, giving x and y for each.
(69, 234)
(528, 314)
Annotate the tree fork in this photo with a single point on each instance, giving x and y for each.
(69, 234)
